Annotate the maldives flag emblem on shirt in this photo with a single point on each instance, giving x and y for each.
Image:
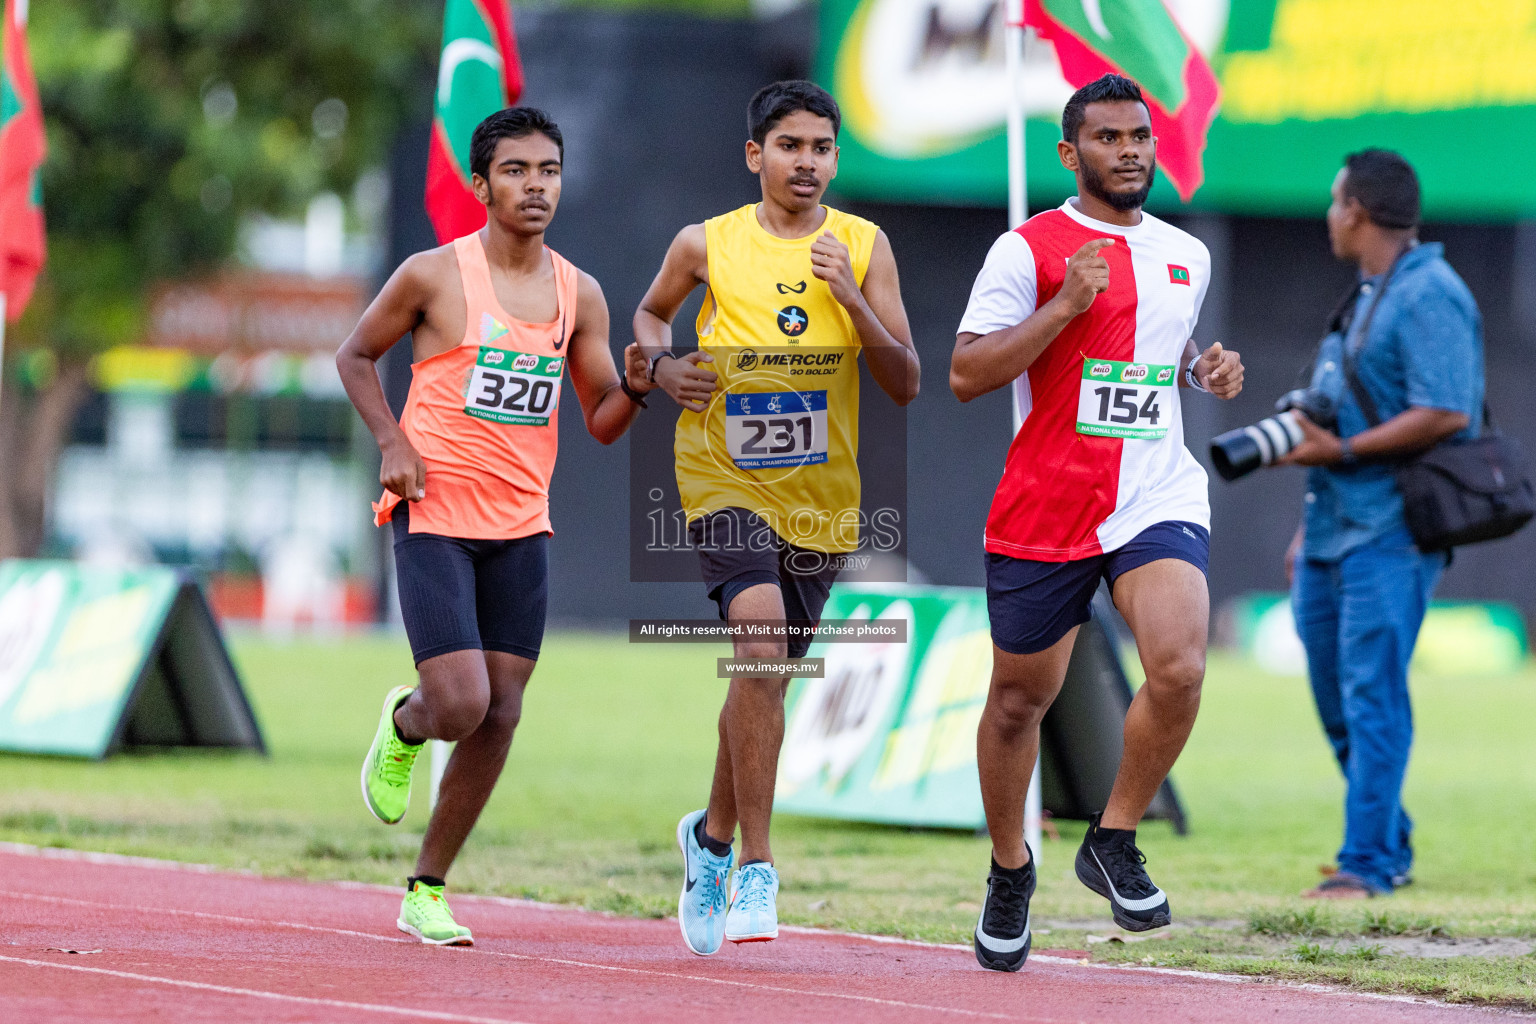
(1140, 40)
(1178, 274)
(478, 74)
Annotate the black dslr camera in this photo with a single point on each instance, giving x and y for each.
(1239, 452)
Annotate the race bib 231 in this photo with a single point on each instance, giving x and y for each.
(764, 429)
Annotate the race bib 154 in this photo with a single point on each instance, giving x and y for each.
(765, 429)
(514, 387)
(1125, 399)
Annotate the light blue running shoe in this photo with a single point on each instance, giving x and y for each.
(754, 914)
(701, 907)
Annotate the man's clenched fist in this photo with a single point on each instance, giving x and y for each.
(1087, 276)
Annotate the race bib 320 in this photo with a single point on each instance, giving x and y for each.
(514, 387)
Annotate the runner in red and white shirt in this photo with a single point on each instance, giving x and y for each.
(1088, 311)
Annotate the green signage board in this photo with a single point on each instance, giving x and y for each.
(1304, 82)
(94, 659)
(889, 733)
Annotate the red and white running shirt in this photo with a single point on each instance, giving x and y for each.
(1100, 455)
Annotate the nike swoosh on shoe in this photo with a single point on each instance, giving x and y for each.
(996, 945)
(1157, 898)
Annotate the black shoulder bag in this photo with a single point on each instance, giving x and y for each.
(1460, 491)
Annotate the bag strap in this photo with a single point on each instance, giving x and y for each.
(1362, 396)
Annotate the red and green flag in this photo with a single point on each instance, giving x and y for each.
(478, 74)
(22, 148)
(1138, 39)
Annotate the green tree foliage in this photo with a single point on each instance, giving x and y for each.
(171, 121)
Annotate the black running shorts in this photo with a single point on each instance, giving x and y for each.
(460, 595)
(1034, 604)
(737, 550)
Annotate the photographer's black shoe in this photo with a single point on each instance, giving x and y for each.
(1002, 936)
(1109, 863)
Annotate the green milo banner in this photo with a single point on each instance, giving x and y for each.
(96, 659)
(1303, 82)
(889, 733)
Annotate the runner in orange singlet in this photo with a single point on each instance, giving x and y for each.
(495, 319)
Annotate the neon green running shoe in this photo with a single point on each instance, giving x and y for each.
(387, 768)
(425, 914)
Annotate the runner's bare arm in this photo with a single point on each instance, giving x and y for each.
(985, 362)
(606, 408)
(688, 380)
(398, 309)
(876, 311)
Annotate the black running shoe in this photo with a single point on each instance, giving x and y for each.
(1111, 866)
(1002, 931)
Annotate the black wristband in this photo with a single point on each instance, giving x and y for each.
(656, 359)
(631, 393)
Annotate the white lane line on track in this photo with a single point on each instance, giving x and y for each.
(124, 860)
(205, 915)
(257, 993)
(265, 923)
(780, 988)
(118, 859)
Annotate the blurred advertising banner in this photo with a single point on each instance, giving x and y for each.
(93, 660)
(923, 90)
(888, 734)
(252, 332)
(1458, 638)
(256, 312)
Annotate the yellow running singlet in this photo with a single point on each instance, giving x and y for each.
(780, 436)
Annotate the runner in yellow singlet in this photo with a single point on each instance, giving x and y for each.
(767, 453)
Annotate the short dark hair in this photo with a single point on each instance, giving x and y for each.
(1385, 185)
(511, 123)
(773, 103)
(1104, 89)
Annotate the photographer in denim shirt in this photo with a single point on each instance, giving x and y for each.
(1359, 586)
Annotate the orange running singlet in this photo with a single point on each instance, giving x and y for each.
(484, 415)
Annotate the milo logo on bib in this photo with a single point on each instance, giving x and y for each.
(1127, 400)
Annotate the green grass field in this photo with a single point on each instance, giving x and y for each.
(617, 742)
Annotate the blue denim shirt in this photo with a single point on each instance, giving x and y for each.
(1425, 349)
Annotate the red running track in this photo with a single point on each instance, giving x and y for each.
(184, 944)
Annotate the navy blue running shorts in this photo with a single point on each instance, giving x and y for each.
(461, 595)
(738, 549)
(1034, 604)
